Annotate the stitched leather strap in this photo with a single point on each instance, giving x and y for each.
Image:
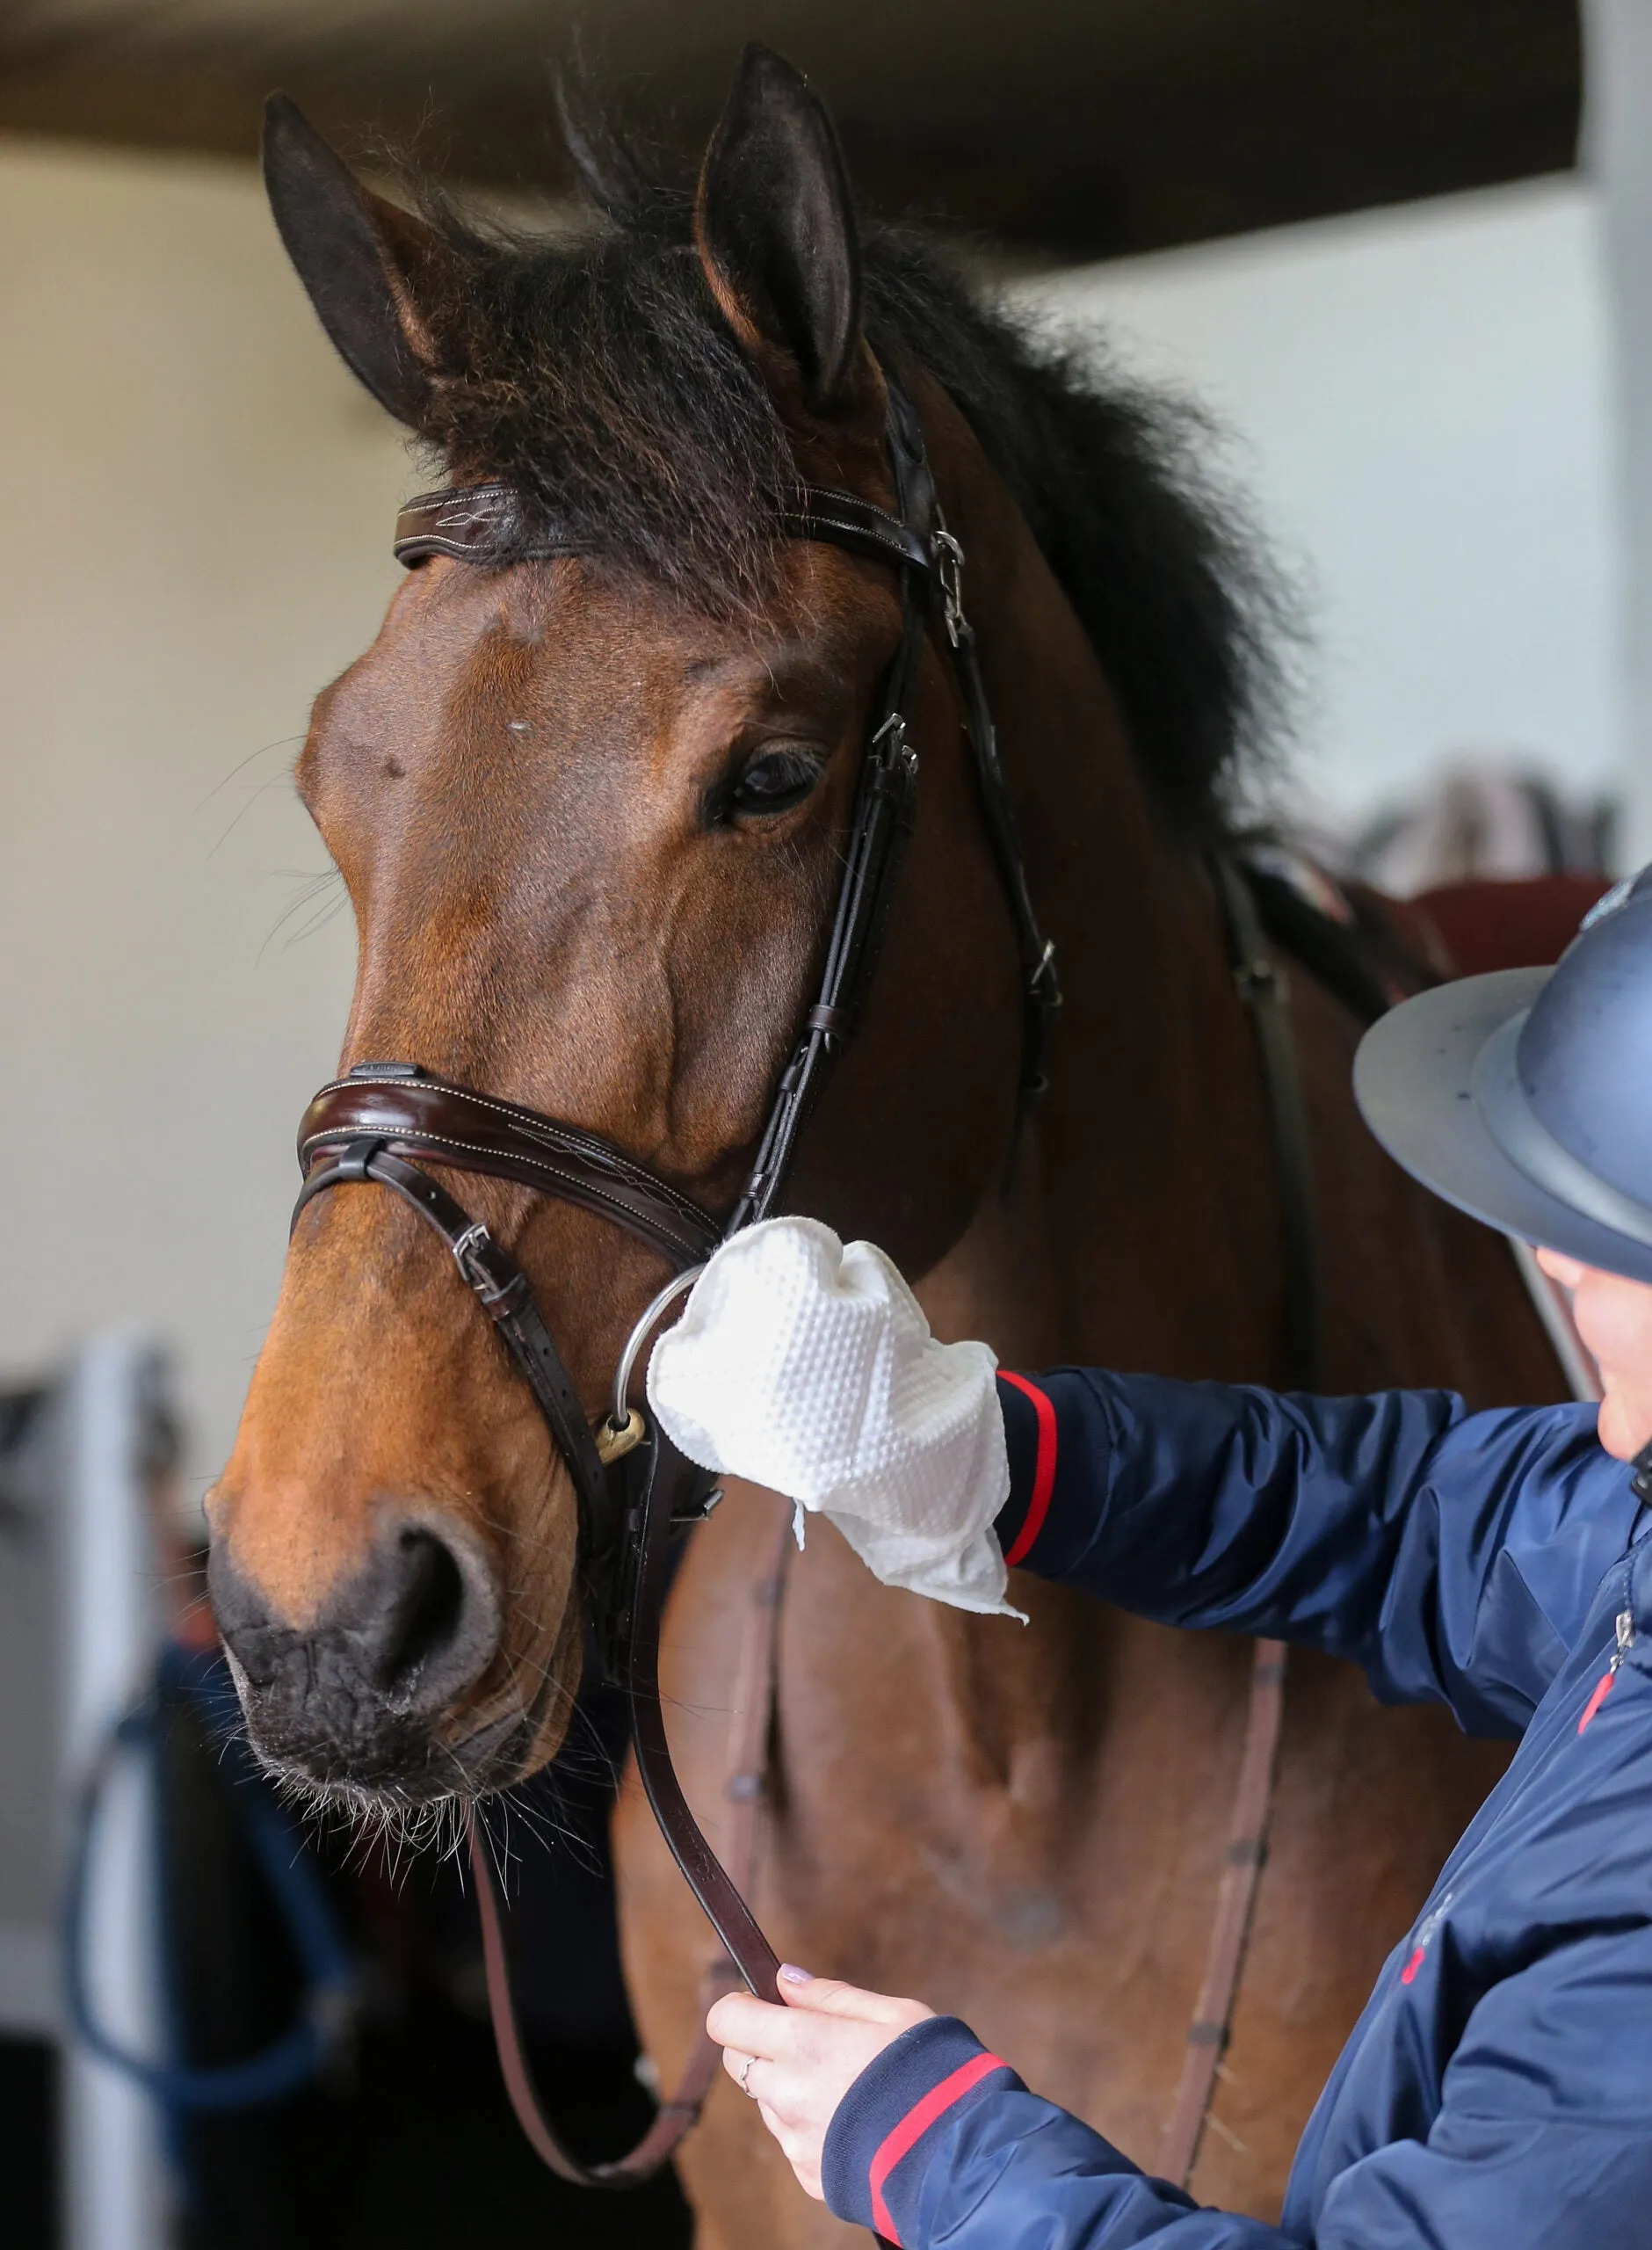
(485, 524)
(819, 512)
(491, 525)
(881, 825)
(670, 1476)
(883, 817)
(395, 1104)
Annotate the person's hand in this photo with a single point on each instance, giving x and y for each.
(798, 2062)
(807, 1366)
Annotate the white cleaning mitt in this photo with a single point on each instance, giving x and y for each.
(810, 1368)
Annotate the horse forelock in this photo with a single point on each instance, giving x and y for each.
(590, 366)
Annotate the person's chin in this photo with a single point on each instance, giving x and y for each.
(1623, 1430)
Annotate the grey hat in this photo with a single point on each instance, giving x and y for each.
(1525, 1097)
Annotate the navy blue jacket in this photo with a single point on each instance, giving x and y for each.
(1497, 2089)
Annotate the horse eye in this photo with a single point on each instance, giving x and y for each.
(775, 781)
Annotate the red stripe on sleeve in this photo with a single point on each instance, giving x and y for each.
(916, 2122)
(1043, 1474)
(1602, 1689)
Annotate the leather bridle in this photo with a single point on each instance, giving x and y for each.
(387, 1120)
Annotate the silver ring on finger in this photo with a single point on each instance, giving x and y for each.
(745, 2077)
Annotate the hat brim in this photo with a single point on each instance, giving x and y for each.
(1412, 1080)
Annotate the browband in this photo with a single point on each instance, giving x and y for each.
(491, 524)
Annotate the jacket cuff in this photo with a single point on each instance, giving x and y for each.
(1030, 1439)
(883, 2129)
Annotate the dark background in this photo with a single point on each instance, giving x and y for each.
(1086, 130)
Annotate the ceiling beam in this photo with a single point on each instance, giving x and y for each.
(1060, 128)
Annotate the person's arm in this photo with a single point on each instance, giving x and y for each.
(939, 2141)
(1540, 2142)
(1452, 1555)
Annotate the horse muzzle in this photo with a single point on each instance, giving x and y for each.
(363, 1695)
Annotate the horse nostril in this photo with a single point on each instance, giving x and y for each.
(391, 1651)
(424, 1614)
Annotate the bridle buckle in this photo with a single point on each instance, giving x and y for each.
(892, 749)
(1044, 984)
(469, 1250)
(613, 1440)
(949, 572)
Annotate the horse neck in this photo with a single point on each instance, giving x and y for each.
(1141, 1229)
(1143, 1226)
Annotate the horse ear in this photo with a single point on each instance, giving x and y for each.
(359, 257)
(775, 225)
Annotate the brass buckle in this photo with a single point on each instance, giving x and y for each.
(613, 1440)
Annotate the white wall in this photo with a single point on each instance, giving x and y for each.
(1420, 406)
(198, 505)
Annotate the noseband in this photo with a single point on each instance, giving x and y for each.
(387, 1120)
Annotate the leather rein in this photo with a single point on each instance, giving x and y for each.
(386, 1122)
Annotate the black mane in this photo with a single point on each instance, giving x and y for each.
(591, 367)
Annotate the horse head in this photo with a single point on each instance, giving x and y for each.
(591, 813)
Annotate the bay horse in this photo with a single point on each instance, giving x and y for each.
(589, 812)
